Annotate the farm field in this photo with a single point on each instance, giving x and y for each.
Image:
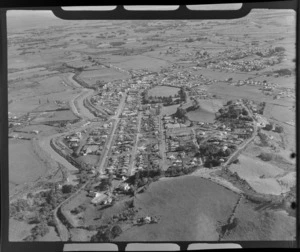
(137, 62)
(262, 176)
(169, 110)
(27, 167)
(261, 224)
(206, 111)
(103, 74)
(163, 91)
(18, 230)
(185, 207)
(159, 174)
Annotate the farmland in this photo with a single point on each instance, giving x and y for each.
(32, 167)
(152, 130)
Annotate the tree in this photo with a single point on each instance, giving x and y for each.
(279, 49)
(102, 236)
(265, 156)
(66, 188)
(244, 112)
(116, 231)
(268, 127)
(278, 129)
(40, 230)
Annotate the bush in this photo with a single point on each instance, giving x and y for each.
(116, 231)
(67, 188)
(102, 236)
(265, 156)
(279, 49)
(278, 129)
(268, 127)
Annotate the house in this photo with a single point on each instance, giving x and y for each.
(99, 197)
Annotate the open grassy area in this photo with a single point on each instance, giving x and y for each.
(18, 230)
(163, 91)
(24, 165)
(256, 224)
(102, 74)
(189, 207)
(259, 174)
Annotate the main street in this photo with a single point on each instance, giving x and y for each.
(116, 119)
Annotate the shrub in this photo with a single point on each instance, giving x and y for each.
(265, 156)
(67, 188)
(116, 231)
(278, 129)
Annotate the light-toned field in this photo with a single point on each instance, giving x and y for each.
(169, 110)
(252, 170)
(89, 159)
(283, 115)
(201, 115)
(206, 111)
(137, 62)
(189, 207)
(102, 74)
(163, 91)
(18, 230)
(50, 236)
(24, 165)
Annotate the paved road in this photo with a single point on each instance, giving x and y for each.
(111, 136)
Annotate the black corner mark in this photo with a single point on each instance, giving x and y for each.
(293, 155)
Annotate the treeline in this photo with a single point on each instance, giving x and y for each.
(38, 209)
(174, 171)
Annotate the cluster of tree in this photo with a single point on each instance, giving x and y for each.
(106, 234)
(283, 72)
(182, 94)
(181, 113)
(213, 154)
(105, 184)
(189, 40)
(271, 126)
(166, 100)
(174, 171)
(261, 108)
(278, 129)
(38, 231)
(78, 209)
(188, 147)
(279, 49)
(265, 156)
(116, 43)
(212, 161)
(144, 178)
(67, 188)
(263, 138)
(213, 150)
